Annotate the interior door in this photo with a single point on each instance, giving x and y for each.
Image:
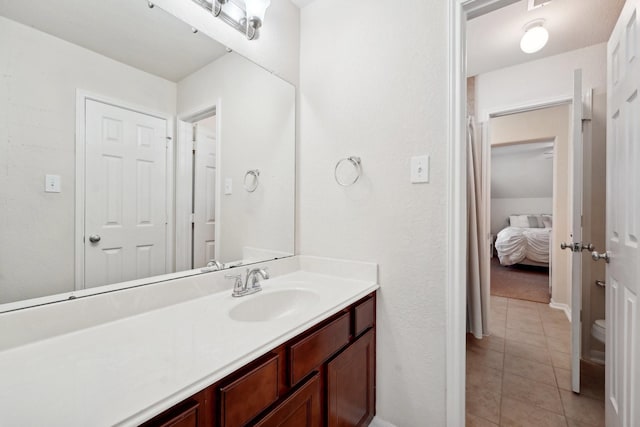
(204, 193)
(125, 194)
(576, 231)
(622, 403)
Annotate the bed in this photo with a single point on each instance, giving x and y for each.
(525, 241)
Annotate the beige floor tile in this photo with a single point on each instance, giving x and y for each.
(477, 356)
(499, 331)
(483, 403)
(557, 330)
(473, 421)
(555, 320)
(520, 313)
(583, 409)
(515, 413)
(562, 345)
(560, 360)
(574, 423)
(526, 337)
(529, 369)
(526, 351)
(480, 376)
(538, 394)
(520, 303)
(497, 324)
(532, 326)
(563, 377)
(497, 301)
(491, 342)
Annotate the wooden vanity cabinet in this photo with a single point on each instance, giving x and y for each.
(325, 376)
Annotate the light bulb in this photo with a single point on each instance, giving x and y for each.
(534, 39)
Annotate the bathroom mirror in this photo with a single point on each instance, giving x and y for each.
(133, 149)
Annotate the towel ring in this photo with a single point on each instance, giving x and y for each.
(253, 183)
(355, 163)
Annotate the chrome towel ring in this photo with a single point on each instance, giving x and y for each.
(348, 171)
(251, 180)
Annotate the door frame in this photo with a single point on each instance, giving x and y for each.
(456, 257)
(184, 183)
(82, 96)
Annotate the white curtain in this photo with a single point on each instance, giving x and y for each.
(478, 291)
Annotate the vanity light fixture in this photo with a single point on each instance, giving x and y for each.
(246, 16)
(535, 36)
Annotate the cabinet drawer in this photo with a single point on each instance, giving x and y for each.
(364, 315)
(301, 409)
(250, 394)
(184, 414)
(310, 352)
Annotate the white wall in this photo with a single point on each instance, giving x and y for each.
(539, 81)
(502, 208)
(257, 131)
(278, 47)
(39, 75)
(552, 78)
(373, 84)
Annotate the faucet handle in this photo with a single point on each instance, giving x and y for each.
(237, 285)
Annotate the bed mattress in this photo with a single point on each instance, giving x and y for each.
(514, 244)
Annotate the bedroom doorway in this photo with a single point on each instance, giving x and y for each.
(521, 218)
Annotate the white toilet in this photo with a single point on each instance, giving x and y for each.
(599, 330)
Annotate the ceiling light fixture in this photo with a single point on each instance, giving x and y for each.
(535, 36)
(246, 16)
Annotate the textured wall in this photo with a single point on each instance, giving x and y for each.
(373, 84)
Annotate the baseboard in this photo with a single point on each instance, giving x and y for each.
(378, 422)
(563, 307)
(597, 356)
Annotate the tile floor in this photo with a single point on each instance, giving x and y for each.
(520, 376)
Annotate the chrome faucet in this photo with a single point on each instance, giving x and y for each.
(251, 283)
(212, 265)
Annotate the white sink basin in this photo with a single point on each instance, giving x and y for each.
(271, 305)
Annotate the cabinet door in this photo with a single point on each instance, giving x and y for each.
(301, 409)
(351, 384)
(193, 412)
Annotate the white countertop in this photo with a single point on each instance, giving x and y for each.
(126, 371)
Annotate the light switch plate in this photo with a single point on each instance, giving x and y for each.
(52, 183)
(420, 169)
(228, 186)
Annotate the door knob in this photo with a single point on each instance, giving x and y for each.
(570, 246)
(597, 256)
(589, 247)
(94, 238)
(601, 283)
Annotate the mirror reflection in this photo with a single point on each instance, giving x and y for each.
(132, 146)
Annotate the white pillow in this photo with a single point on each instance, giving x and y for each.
(521, 221)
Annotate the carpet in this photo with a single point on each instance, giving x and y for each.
(520, 282)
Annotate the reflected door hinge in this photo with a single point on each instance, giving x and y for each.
(193, 218)
(194, 145)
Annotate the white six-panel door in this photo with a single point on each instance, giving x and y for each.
(125, 194)
(623, 221)
(204, 193)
